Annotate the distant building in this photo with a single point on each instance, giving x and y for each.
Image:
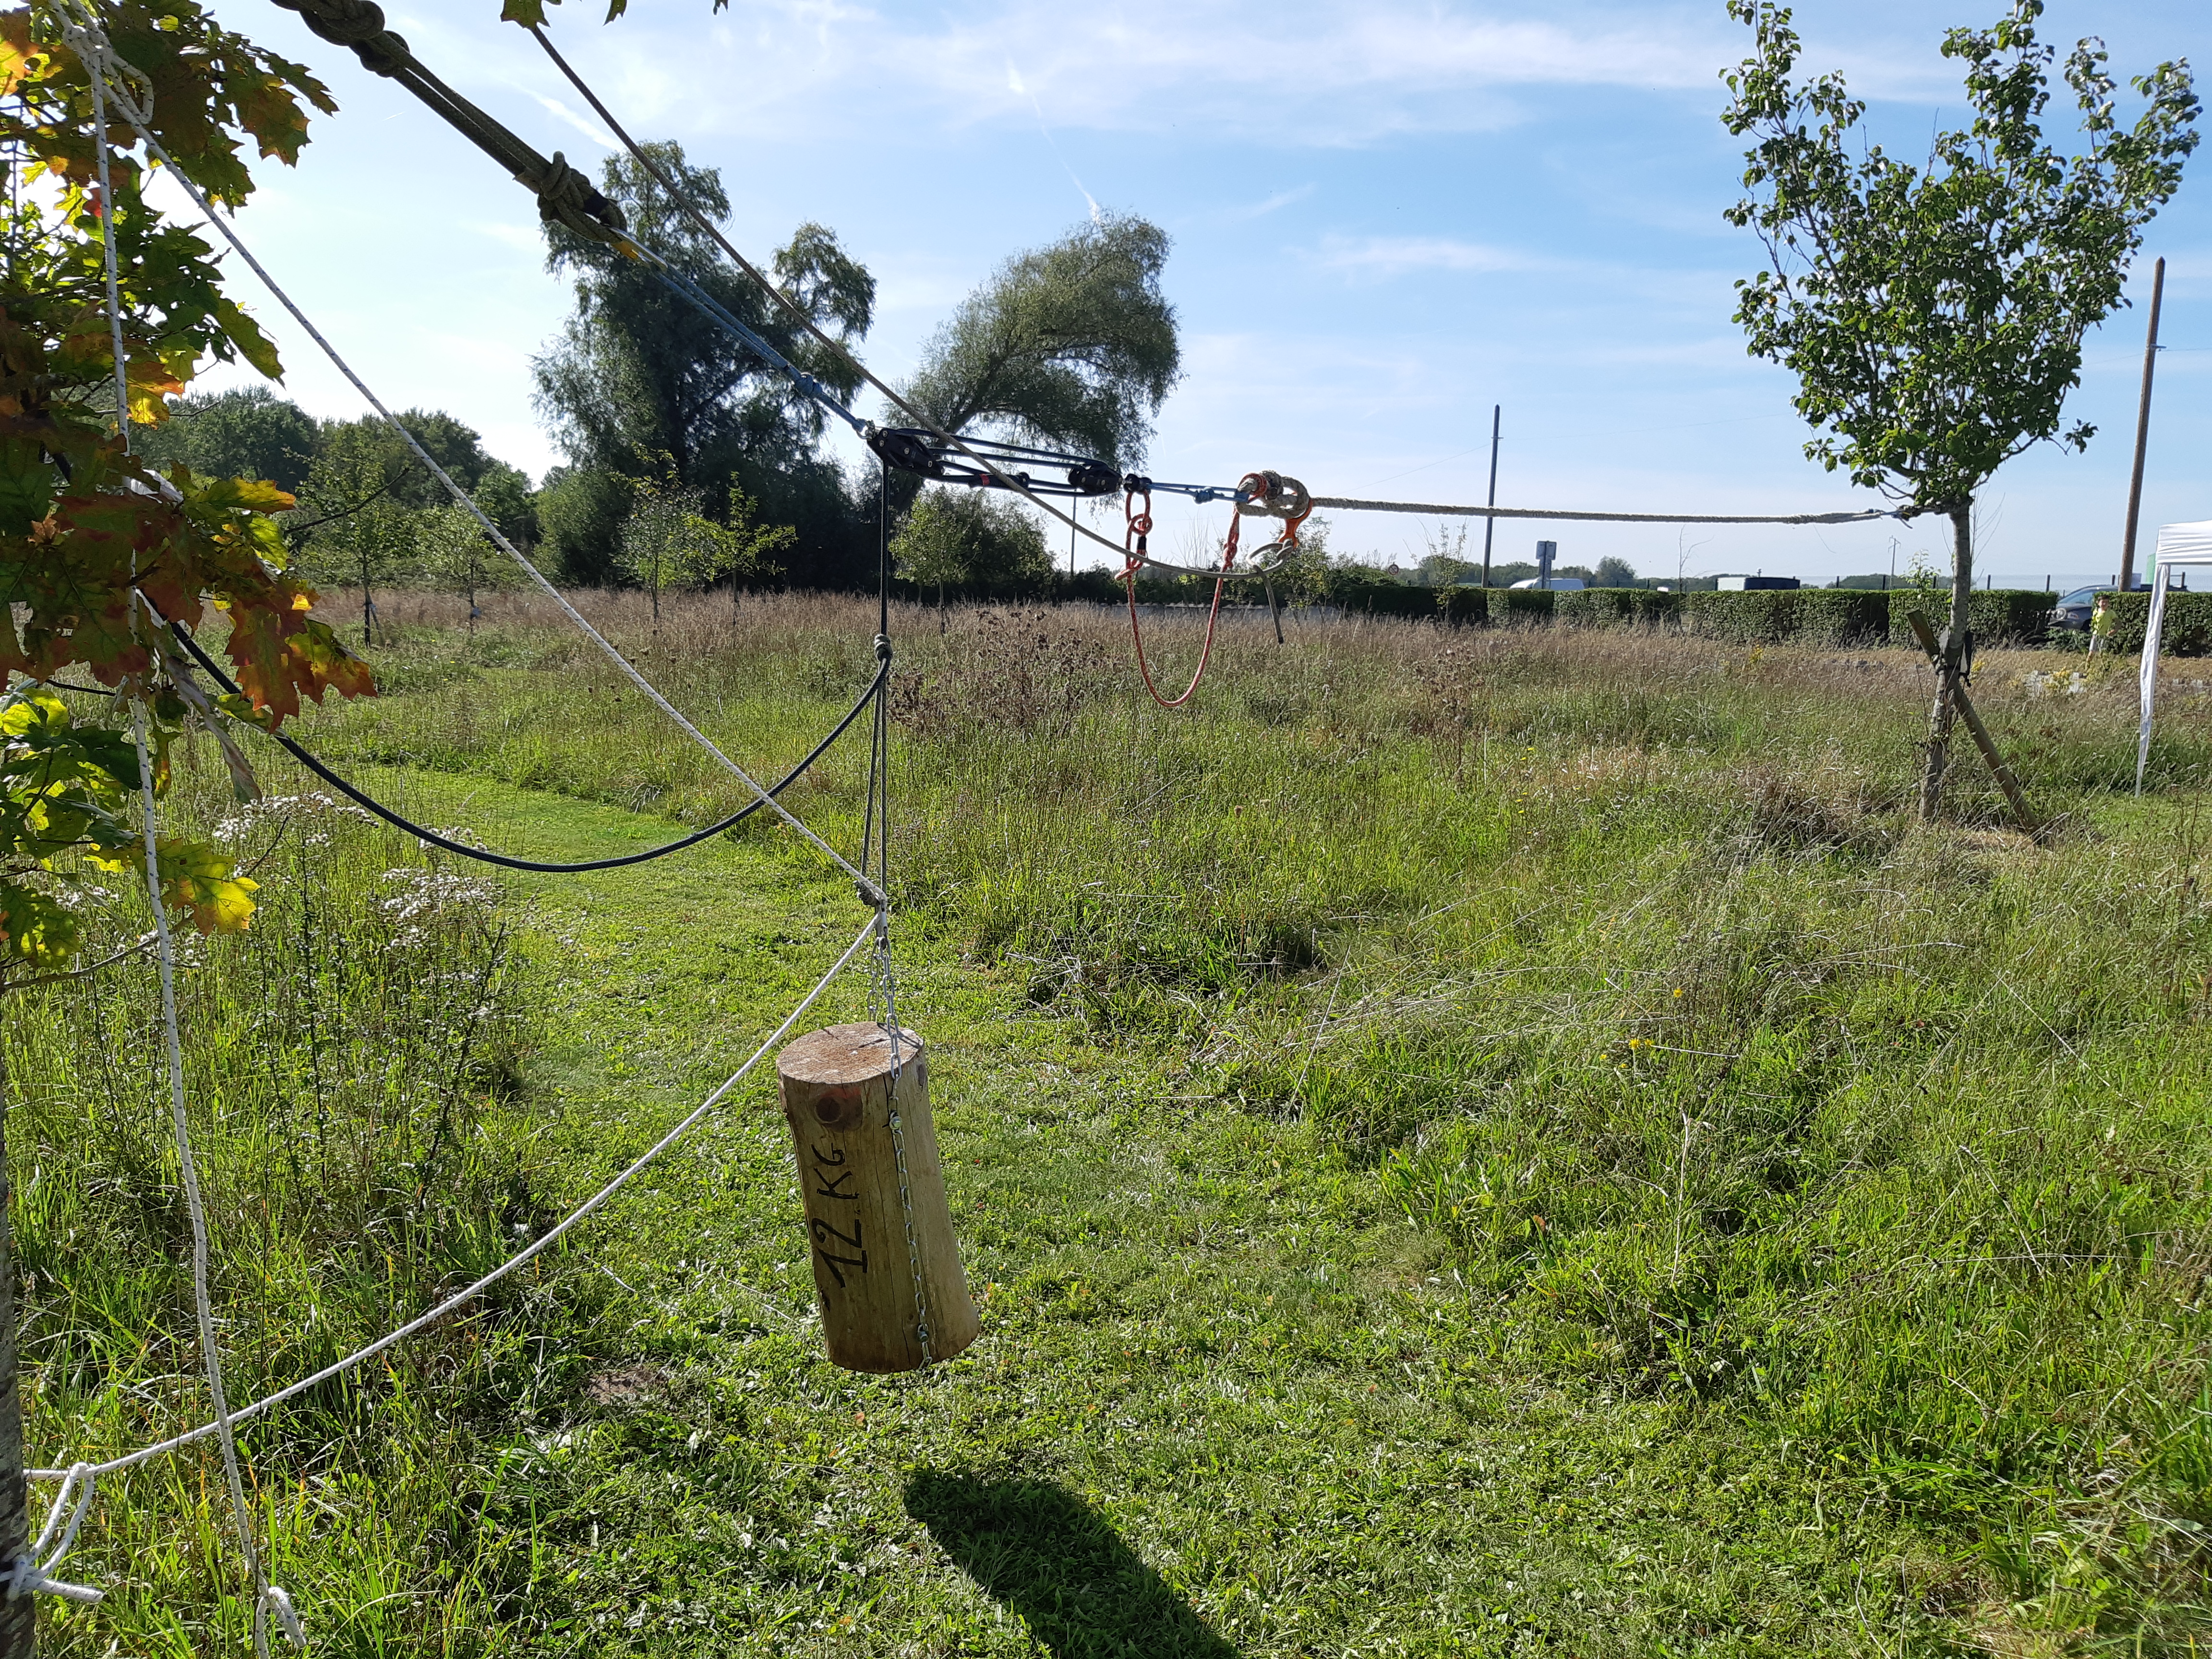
(1756, 584)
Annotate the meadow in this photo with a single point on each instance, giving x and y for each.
(1468, 1142)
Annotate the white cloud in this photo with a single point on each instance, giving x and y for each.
(1309, 73)
(1383, 256)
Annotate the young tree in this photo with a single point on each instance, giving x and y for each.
(742, 549)
(455, 557)
(970, 539)
(99, 551)
(1933, 315)
(353, 520)
(1071, 345)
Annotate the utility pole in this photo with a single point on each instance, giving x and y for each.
(2142, 430)
(1491, 524)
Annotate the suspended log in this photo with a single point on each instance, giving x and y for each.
(886, 1267)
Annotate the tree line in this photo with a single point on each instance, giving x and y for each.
(688, 461)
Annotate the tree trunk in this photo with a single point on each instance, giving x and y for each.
(1958, 656)
(18, 1613)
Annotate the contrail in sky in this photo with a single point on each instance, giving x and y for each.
(1014, 80)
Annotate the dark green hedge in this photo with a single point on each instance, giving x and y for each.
(2003, 616)
(2187, 632)
(1615, 607)
(1381, 598)
(1525, 605)
(1759, 617)
(1842, 616)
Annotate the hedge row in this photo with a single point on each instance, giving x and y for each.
(2188, 627)
(1817, 616)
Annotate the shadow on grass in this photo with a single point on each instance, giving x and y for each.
(1053, 1558)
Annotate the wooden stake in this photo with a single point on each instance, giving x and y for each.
(1926, 635)
(873, 1253)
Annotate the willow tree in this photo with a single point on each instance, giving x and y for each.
(1934, 314)
(1072, 345)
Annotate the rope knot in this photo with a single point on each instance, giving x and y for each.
(567, 196)
(358, 24)
(27, 1575)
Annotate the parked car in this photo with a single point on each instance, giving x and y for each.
(2076, 609)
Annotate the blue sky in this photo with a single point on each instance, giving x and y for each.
(1386, 217)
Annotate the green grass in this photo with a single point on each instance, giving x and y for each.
(1477, 1143)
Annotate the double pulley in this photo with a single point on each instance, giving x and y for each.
(1010, 466)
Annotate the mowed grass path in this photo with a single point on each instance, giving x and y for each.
(1226, 1400)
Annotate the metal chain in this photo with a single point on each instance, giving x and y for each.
(879, 817)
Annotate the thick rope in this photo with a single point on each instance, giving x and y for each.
(1430, 510)
(529, 1253)
(98, 46)
(189, 1174)
(562, 193)
(798, 315)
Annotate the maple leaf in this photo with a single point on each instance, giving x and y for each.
(36, 928)
(196, 877)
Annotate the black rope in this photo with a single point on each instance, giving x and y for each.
(88, 690)
(360, 797)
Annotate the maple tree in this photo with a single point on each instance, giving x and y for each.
(100, 548)
(1934, 314)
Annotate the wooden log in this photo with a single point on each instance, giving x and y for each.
(838, 1095)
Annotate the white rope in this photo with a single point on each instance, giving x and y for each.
(1430, 509)
(33, 1574)
(188, 1169)
(96, 49)
(108, 236)
(530, 1252)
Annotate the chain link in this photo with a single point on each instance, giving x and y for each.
(883, 989)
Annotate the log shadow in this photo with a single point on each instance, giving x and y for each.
(1054, 1559)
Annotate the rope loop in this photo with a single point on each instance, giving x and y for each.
(125, 84)
(32, 1576)
(1140, 527)
(1272, 495)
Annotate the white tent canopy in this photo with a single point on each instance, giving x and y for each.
(2180, 547)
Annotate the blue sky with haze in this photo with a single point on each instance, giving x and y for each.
(1386, 218)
